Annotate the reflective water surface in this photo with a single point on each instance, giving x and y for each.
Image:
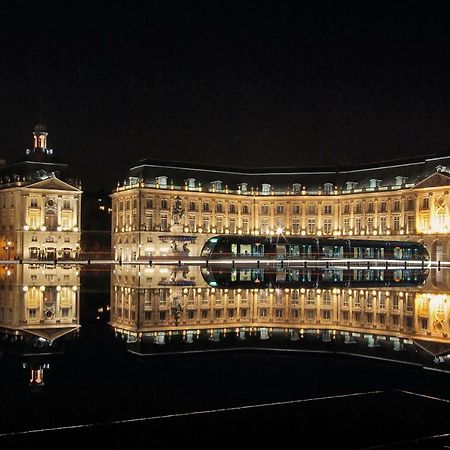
(123, 342)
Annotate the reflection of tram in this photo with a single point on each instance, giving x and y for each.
(248, 278)
(231, 246)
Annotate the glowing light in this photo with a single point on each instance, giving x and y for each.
(42, 288)
(26, 227)
(279, 230)
(59, 228)
(43, 228)
(74, 288)
(25, 289)
(58, 288)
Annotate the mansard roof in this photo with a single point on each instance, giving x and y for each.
(390, 173)
(28, 172)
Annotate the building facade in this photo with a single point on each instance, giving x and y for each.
(40, 206)
(165, 208)
(156, 302)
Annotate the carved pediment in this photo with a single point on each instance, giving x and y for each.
(53, 183)
(51, 333)
(435, 180)
(434, 348)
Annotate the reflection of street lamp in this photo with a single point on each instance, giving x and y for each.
(8, 248)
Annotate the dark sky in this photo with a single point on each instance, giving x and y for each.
(234, 82)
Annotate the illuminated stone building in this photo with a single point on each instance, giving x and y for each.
(157, 302)
(40, 206)
(171, 208)
(39, 309)
(38, 300)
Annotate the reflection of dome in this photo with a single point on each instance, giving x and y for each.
(39, 128)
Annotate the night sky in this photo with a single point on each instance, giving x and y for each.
(234, 83)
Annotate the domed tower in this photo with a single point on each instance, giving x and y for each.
(40, 138)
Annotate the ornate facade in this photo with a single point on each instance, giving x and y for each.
(40, 207)
(165, 208)
(156, 302)
(39, 309)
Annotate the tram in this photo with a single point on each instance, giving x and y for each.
(279, 247)
(270, 277)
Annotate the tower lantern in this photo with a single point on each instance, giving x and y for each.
(40, 137)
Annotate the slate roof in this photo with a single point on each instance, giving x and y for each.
(413, 170)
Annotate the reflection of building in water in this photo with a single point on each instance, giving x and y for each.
(40, 206)
(39, 306)
(144, 303)
(163, 207)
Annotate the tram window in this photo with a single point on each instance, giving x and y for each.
(335, 251)
(398, 275)
(257, 275)
(397, 253)
(246, 249)
(245, 275)
(306, 275)
(233, 275)
(258, 249)
(234, 249)
(294, 275)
